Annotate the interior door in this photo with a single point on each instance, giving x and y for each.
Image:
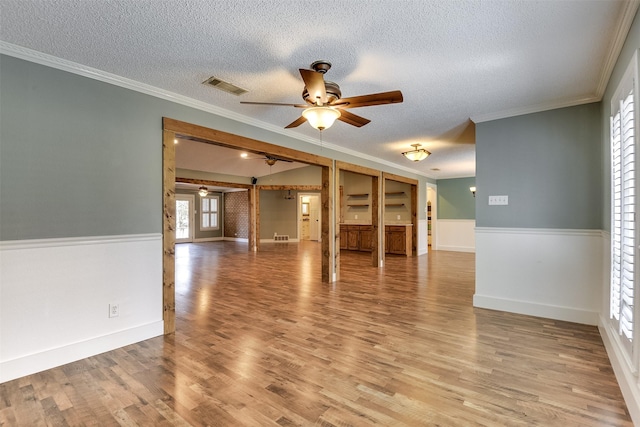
(184, 218)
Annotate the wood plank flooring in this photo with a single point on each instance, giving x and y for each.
(261, 341)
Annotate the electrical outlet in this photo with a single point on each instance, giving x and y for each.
(398, 217)
(355, 216)
(114, 310)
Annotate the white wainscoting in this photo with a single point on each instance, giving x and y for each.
(55, 296)
(456, 235)
(549, 273)
(423, 244)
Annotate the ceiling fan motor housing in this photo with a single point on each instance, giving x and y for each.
(333, 93)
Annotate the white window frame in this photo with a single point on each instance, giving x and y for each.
(625, 174)
(209, 213)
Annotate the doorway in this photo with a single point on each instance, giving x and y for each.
(309, 218)
(432, 217)
(184, 218)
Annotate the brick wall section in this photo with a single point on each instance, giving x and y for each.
(236, 214)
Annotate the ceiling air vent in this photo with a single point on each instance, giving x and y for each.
(225, 86)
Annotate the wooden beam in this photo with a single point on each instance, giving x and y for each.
(212, 183)
(356, 168)
(218, 137)
(290, 187)
(168, 232)
(399, 178)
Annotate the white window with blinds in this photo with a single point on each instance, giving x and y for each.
(624, 242)
(209, 213)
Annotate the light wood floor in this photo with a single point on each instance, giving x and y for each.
(261, 341)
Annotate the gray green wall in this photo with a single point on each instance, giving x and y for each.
(197, 233)
(548, 163)
(277, 214)
(80, 157)
(455, 200)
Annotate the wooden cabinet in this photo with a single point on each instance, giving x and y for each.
(356, 237)
(398, 238)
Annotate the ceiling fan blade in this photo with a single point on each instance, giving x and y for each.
(352, 119)
(392, 97)
(297, 122)
(314, 83)
(275, 103)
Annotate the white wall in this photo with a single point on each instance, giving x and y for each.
(54, 307)
(455, 235)
(540, 272)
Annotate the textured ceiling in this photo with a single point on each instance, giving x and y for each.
(453, 60)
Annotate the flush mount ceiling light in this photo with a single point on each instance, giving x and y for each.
(416, 154)
(203, 191)
(321, 118)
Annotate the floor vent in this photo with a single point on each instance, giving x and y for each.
(281, 238)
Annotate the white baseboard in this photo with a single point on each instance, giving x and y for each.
(548, 311)
(279, 241)
(51, 358)
(627, 381)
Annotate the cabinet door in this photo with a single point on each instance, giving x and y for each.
(365, 238)
(343, 237)
(397, 240)
(353, 239)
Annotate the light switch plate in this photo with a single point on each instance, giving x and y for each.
(498, 200)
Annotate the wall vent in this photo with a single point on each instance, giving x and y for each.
(281, 237)
(224, 86)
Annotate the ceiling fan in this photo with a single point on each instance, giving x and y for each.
(324, 104)
(270, 160)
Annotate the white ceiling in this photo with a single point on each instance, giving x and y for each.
(453, 60)
(200, 156)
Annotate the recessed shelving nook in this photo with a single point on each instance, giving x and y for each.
(394, 196)
(357, 199)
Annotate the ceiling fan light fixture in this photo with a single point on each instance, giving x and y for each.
(417, 153)
(321, 118)
(203, 191)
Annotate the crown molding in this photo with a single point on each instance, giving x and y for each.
(625, 20)
(624, 24)
(533, 109)
(106, 77)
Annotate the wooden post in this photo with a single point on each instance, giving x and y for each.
(169, 232)
(375, 221)
(328, 225)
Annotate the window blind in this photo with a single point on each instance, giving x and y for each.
(623, 217)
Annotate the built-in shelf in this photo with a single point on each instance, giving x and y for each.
(358, 195)
(394, 204)
(358, 206)
(394, 193)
